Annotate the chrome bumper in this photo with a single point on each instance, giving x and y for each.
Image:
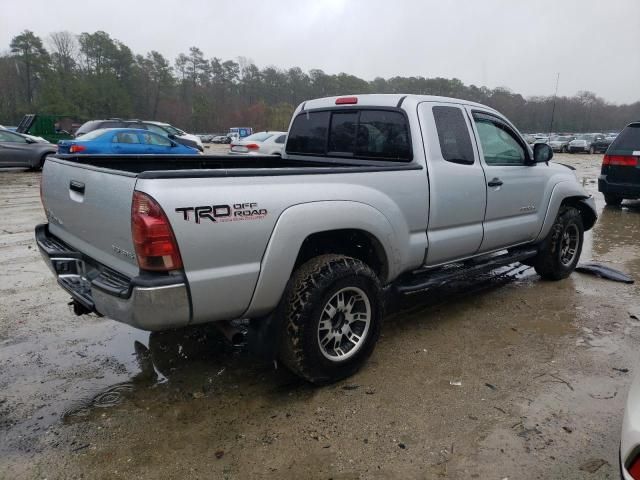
(150, 303)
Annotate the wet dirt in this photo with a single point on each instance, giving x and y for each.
(501, 376)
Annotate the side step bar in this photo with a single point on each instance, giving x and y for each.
(425, 279)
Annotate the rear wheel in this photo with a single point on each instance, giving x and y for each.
(332, 311)
(560, 251)
(612, 200)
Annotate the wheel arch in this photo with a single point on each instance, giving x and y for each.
(307, 230)
(569, 193)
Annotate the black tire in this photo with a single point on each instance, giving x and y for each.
(564, 149)
(552, 262)
(303, 305)
(40, 164)
(612, 200)
(592, 150)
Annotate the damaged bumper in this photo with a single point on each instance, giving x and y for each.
(150, 302)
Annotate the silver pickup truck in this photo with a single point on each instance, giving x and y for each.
(374, 194)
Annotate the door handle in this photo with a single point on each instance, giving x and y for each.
(76, 186)
(496, 182)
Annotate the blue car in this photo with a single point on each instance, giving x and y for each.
(131, 141)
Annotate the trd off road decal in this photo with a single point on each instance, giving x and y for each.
(222, 213)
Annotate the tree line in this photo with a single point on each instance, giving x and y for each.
(92, 75)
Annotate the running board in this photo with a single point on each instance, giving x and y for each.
(425, 279)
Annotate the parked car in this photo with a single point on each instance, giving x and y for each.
(630, 441)
(584, 143)
(530, 139)
(164, 129)
(602, 143)
(305, 246)
(32, 137)
(560, 143)
(124, 141)
(620, 174)
(221, 139)
(205, 137)
(17, 150)
(261, 143)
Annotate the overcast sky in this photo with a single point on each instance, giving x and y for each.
(520, 44)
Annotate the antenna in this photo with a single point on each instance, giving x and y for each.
(553, 110)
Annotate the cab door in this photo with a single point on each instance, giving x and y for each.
(516, 188)
(456, 183)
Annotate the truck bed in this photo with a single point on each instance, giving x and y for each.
(178, 166)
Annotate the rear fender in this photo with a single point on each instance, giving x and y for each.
(296, 224)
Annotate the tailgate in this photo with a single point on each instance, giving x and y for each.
(90, 209)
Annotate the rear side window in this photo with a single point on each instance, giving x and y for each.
(309, 133)
(125, 137)
(628, 141)
(374, 134)
(453, 134)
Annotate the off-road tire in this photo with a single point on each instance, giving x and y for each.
(547, 263)
(612, 200)
(301, 307)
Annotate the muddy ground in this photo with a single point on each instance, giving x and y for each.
(505, 376)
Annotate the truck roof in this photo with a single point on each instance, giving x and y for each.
(386, 100)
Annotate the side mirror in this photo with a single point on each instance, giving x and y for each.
(542, 153)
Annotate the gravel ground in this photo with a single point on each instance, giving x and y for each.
(504, 376)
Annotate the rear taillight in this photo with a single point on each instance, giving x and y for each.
(77, 148)
(620, 160)
(153, 239)
(634, 468)
(252, 146)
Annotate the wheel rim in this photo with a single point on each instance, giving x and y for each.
(569, 244)
(344, 324)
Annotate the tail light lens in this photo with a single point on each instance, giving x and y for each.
(77, 148)
(620, 160)
(252, 146)
(634, 468)
(153, 239)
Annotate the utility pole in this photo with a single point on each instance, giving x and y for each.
(553, 110)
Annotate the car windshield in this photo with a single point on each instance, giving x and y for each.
(560, 138)
(584, 137)
(259, 137)
(91, 135)
(172, 130)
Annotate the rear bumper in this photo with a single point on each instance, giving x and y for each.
(149, 302)
(624, 190)
(573, 149)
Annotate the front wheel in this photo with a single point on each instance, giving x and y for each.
(332, 311)
(560, 251)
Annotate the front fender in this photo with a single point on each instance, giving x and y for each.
(567, 191)
(295, 224)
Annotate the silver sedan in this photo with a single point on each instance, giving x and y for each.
(17, 150)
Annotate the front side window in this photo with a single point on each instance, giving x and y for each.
(499, 145)
(453, 134)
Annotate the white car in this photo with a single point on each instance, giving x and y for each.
(177, 132)
(261, 143)
(630, 443)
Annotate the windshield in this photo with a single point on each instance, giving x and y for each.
(172, 130)
(258, 137)
(584, 137)
(560, 138)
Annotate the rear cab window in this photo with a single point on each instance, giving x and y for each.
(369, 134)
(453, 135)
